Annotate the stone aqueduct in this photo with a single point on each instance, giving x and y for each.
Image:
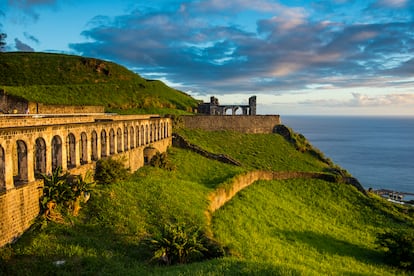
(30, 145)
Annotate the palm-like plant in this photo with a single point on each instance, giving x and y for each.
(177, 244)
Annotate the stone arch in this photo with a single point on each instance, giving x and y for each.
(21, 174)
(56, 152)
(71, 151)
(104, 152)
(83, 148)
(126, 138)
(119, 140)
(40, 156)
(111, 142)
(167, 134)
(149, 152)
(2, 169)
(162, 130)
(94, 146)
(132, 137)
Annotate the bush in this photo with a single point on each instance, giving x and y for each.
(109, 171)
(160, 160)
(180, 244)
(398, 247)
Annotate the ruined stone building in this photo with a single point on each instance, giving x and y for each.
(214, 108)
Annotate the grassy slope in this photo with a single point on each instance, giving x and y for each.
(288, 227)
(75, 80)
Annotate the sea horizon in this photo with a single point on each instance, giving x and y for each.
(377, 150)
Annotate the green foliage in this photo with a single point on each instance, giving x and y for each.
(160, 160)
(63, 190)
(399, 248)
(109, 170)
(74, 80)
(179, 243)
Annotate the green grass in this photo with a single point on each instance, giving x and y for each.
(310, 226)
(294, 227)
(74, 80)
(259, 151)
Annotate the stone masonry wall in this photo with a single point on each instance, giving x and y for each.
(16, 218)
(39, 108)
(240, 123)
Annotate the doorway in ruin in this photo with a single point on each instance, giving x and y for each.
(56, 152)
(40, 157)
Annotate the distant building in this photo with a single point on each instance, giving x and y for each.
(214, 108)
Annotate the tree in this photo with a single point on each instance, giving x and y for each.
(2, 41)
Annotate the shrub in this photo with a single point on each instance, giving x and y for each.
(398, 247)
(180, 244)
(160, 160)
(110, 170)
(63, 190)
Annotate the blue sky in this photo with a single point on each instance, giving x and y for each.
(298, 57)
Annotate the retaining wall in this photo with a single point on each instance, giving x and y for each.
(240, 123)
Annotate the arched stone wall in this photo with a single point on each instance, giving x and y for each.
(27, 151)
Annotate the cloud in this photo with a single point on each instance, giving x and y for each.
(363, 100)
(201, 49)
(31, 37)
(28, 8)
(20, 46)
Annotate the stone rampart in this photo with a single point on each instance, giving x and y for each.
(240, 123)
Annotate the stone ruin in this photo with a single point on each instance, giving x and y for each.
(214, 108)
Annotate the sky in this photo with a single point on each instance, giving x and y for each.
(322, 57)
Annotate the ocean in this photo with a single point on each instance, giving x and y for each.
(378, 151)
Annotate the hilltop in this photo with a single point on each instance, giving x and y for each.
(75, 80)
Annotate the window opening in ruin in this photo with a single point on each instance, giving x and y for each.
(111, 142)
(146, 135)
(56, 152)
(40, 157)
(21, 175)
(119, 140)
(103, 144)
(138, 140)
(142, 135)
(71, 151)
(126, 145)
(150, 133)
(132, 135)
(83, 149)
(94, 146)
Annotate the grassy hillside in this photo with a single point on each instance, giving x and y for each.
(291, 227)
(75, 80)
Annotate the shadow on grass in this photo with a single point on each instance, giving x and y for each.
(328, 245)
